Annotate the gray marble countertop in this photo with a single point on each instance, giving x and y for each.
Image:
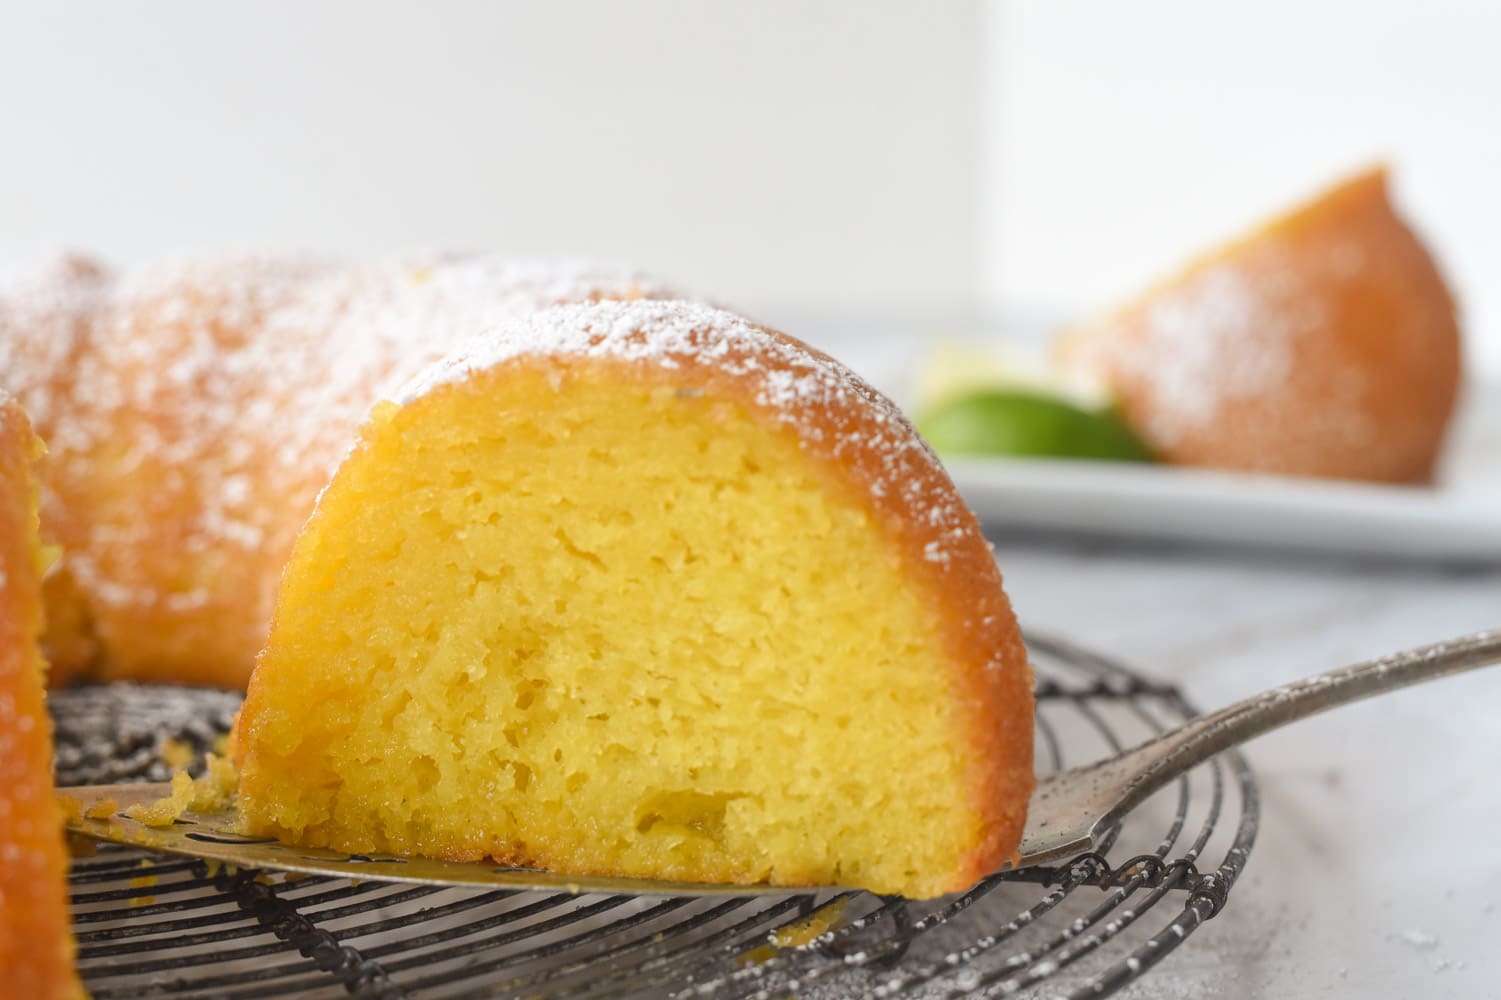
(1377, 871)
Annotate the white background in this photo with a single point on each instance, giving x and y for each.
(1118, 138)
(818, 158)
(772, 152)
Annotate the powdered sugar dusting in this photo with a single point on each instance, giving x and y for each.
(296, 352)
(44, 313)
(1239, 360)
(831, 408)
(262, 332)
(1213, 342)
(220, 393)
(213, 398)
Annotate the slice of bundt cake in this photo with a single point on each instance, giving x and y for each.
(36, 947)
(642, 589)
(1324, 343)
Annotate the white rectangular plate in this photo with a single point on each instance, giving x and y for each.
(1457, 519)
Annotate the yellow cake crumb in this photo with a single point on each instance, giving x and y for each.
(215, 791)
(799, 933)
(70, 807)
(165, 811)
(103, 809)
(73, 810)
(757, 955)
(143, 882)
(812, 927)
(176, 753)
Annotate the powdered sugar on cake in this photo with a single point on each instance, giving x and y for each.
(798, 387)
(1212, 342)
(1239, 338)
(193, 379)
(195, 408)
(44, 315)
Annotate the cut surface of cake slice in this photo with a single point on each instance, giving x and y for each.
(36, 944)
(643, 589)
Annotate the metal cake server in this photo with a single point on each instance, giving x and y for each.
(1069, 812)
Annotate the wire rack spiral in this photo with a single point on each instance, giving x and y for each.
(153, 925)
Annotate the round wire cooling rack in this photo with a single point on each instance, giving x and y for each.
(154, 925)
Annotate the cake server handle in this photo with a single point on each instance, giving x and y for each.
(1071, 809)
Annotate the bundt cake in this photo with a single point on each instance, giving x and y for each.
(194, 409)
(1323, 344)
(47, 319)
(36, 946)
(642, 589)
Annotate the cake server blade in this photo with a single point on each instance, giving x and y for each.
(213, 837)
(1068, 814)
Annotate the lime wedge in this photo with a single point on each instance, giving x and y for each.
(1022, 422)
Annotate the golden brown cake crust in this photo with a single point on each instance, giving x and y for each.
(48, 318)
(1323, 344)
(872, 452)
